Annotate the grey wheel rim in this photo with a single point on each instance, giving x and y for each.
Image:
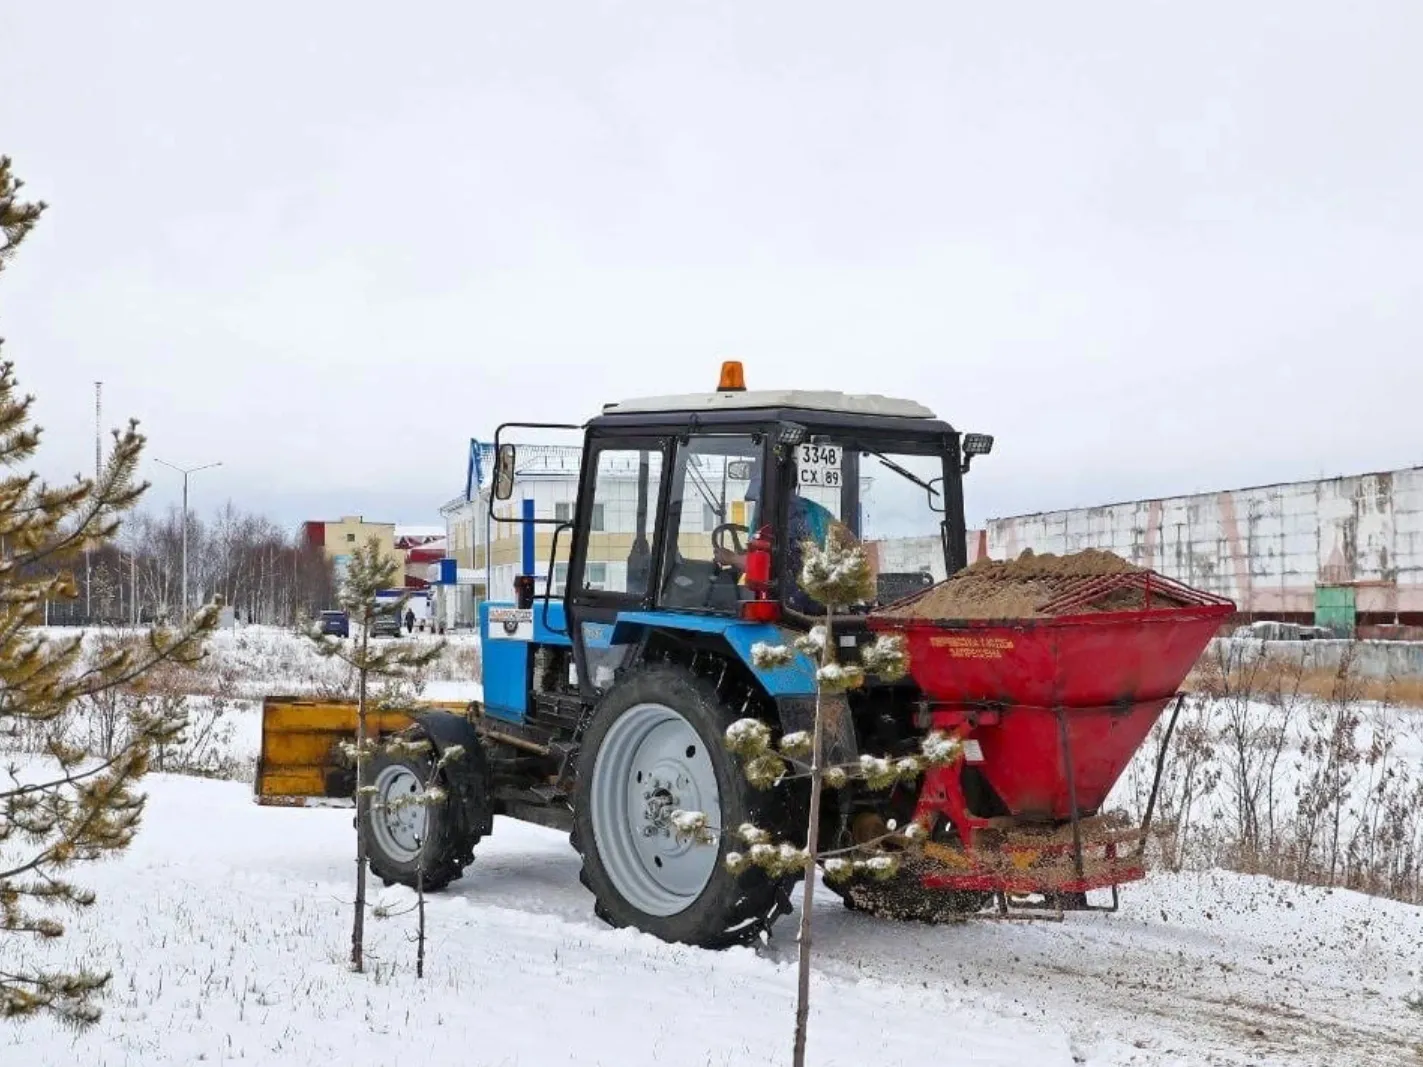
(396, 818)
(651, 763)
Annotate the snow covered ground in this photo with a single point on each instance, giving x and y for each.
(258, 661)
(227, 928)
(246, 663)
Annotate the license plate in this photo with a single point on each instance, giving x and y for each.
(819, 465)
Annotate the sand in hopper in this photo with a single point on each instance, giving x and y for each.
(1018, 588)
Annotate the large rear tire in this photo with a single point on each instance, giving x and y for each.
(655, 746)
(403, 835)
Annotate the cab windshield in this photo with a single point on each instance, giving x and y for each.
(889, 495)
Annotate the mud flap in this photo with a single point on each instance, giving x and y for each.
(469, 774)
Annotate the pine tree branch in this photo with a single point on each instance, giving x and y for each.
(80, 687)
(132, 809)
(58, 783)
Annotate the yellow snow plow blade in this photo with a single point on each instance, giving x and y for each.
(301, 763)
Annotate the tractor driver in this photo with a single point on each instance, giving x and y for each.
(808, 521)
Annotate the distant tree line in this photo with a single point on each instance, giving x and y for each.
(265, 574)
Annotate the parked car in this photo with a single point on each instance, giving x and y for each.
(386, 624)
(1269, 630)
(336, 623)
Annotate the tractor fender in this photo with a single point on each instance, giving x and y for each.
(793, 679)
(469, 775)
(791, 686)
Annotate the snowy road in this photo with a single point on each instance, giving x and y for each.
(226, 927)
(1213, 969)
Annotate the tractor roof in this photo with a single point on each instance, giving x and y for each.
(804, 399)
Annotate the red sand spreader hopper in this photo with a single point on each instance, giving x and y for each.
(1050, 707)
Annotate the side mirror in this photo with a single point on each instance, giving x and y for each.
(504, 473)
(935, 493)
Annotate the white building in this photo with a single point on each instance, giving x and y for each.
(1336, 551)
(489, 550)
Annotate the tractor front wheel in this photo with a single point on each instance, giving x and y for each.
(655, 747)
(403, 833)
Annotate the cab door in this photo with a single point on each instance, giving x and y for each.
(714, 503)
(615, 547)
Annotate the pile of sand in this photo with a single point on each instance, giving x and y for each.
(1020, 588)
(1089, 563)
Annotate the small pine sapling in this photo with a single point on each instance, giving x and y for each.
(835, 575)
(432, 795)
(370, 571)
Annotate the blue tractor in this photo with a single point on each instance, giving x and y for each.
(607, 695)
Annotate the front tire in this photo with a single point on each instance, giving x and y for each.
(403, 835)
(655, 746)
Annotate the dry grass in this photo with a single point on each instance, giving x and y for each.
(459, 663)
(1320, 683)
(103, 723)
(1312, 776)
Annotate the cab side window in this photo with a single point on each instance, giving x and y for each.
(622, 515)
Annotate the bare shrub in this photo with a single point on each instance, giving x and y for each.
(103, 723)
(1254, 699)
(1275, 770)
(1329, 763)
(460, 663)
(340, 686)
(204, 748)
(100, 722)
(1188, 778)
(1384, 850)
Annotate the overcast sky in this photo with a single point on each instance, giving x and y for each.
(1153, 247)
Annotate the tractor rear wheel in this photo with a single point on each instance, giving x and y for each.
(655, 746)
(402, 834)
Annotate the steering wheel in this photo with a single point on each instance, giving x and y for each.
(735, 530)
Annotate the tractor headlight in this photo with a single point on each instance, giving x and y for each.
(790, 433)
(974, 444)
(977, 444)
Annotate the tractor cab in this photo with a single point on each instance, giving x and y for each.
(692, 510)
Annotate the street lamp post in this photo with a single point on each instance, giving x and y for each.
(185, 472)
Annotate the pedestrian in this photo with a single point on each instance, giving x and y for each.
(409, 621)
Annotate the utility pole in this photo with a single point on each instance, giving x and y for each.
(183, 613)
